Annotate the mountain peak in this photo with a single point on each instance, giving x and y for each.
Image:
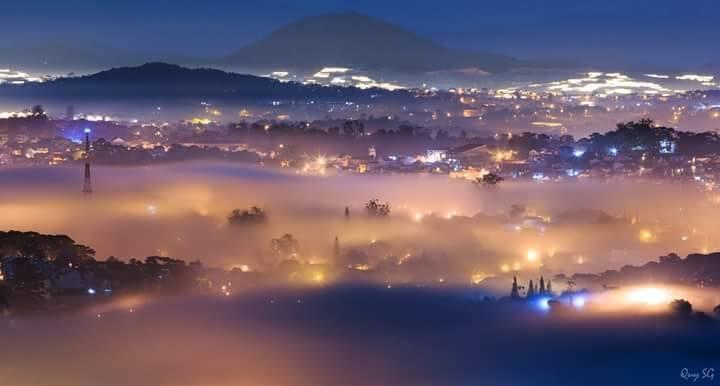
(356, 40)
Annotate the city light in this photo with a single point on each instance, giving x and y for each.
(543, 303)
(152, 209)
(651, 296)
(578, 301)
(330, 197)
(646, 236)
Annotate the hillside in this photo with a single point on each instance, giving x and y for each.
(173, 81)
(359, 41)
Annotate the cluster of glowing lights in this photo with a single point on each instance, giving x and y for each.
(14, 114)
(531, 255)
(225, 289)
(359, 267)
(342, 76)
(696, 77)
(607, 84)
(650, 296)
(18, 77)
(503, 155)
(318, 165)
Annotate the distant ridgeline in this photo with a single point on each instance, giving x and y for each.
(172, 81)
(697, 270)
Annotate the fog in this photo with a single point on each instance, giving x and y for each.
(350, 336)
(438, 229)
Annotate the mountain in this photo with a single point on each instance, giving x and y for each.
(163, 80)
(360, 41)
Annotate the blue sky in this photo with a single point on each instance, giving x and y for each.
(673, 32)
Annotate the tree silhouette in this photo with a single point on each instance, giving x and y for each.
(336, 249)
(514, 292)
(285, 246)
(490, 179)
(681, 307)
(376, 209)
(244, 217)
(38, 111)
(531, 290)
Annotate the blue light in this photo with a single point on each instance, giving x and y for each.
(613, 151)
(578, 301)
(667, 147)
(578, 153)
(543, 303)
(87, 130)
(91, 291)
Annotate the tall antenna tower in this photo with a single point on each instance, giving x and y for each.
(87, 186)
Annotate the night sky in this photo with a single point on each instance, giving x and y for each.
(639, 32)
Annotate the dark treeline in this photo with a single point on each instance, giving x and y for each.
(37, 267)
(696, 270)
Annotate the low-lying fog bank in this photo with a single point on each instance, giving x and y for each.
(447, 228)
(351, 336)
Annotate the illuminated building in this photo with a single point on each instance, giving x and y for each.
(87, 186)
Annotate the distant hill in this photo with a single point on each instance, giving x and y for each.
(360, 41)
(343, 39)
(173, 81)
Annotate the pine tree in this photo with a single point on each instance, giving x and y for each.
(514, 294)
(541, 290)
(347, 213)
(336, 249)
(531, 290)
(548, 290)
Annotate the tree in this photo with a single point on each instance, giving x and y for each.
(285, 246)
(336, 249)
(673, 257)
(541, 289)
(27, 275)
(681, 308)
(514, 293)
(531, 290)
(490, 179)
(347, 213)
(38, 111)
(716, 311)
(548, 289)
(376, 209)
(244, 217)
